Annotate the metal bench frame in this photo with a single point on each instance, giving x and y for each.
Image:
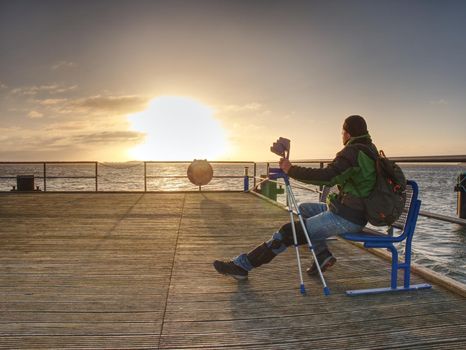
(407, 225)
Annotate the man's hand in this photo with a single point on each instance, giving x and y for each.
(285, 165)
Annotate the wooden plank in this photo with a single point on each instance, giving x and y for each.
(205, 310)
(341, 336)
(85, 270)
(148, 341)
(133, 270)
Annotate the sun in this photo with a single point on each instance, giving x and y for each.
(178, 128)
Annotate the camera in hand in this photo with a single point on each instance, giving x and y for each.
(281, 147)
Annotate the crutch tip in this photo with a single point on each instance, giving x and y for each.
(302, 289)
(326, 291)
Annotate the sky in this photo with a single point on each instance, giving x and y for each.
(114, 80)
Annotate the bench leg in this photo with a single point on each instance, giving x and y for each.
(394, 275)
(395, 267)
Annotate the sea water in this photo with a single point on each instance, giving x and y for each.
(438, 245)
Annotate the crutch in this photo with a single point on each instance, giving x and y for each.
(282, 148)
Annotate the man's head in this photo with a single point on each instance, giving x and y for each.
(354, 126)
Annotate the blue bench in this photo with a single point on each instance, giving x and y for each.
(404, 227)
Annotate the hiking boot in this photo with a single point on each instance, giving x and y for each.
(228, 268)
(325, 259)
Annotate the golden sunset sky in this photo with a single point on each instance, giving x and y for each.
(155, 80)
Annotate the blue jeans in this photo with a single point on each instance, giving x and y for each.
(320, 225)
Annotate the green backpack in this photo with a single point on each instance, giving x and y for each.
(386, 202)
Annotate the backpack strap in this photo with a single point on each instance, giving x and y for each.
(368, 150)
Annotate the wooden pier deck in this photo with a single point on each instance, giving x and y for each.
(134, 271)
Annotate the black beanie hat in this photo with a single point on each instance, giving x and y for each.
(355, 125)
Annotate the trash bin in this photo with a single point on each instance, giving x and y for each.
(25, 182)
(270, 189)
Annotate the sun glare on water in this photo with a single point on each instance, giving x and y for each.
(178, 128)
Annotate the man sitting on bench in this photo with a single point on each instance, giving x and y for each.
(353, 170)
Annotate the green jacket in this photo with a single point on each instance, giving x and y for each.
(353, 170)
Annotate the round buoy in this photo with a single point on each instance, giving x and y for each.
(200, 172)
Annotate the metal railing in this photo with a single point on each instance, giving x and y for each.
(407, 160)
(45, 166)
(245, 176)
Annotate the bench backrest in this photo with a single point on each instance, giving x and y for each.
(407, 221)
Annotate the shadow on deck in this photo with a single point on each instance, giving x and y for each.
(134, 270)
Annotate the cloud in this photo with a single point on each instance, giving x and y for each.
(72, 125)
(109, 137)
(252, 106)
(63, 65)
(39, 97)
(2, 85)
(24, 139)
(51, 89)
(34, 141)
(248, 110)
(71, 128)
(235, 116)
(440, 101)
(6, 132)
(96, 106)
(52, 101)
(114, 104)
(35, 114)
(63, 89)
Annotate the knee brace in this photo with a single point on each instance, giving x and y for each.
(287, 234)
(260, 255)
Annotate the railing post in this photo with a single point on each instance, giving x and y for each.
(246, 179)
(145, 176)
(461, 198)
(96, 177)
(255, 174)
(321, 165)
(45, 176)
